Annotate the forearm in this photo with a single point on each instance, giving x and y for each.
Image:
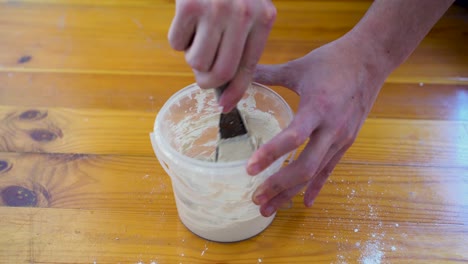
(392, 29)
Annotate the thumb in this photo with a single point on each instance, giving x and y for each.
(273, 74)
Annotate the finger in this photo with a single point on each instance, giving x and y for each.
(183, 25)
(274, 204)
(270, 74)
(286, 141)
(317, 183)
(279, 200)
(253, 50)
(201, 54)
(332, 151)
(299, 171)
(228, 57)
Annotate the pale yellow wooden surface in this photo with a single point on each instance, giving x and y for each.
(98, 73)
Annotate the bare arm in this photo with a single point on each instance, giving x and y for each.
(395, 28)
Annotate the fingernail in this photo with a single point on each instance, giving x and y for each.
(227, 109)
(260, 199)
(253, 167)
(269, 210)
(309, 203)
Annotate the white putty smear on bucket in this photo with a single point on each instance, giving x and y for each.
(261, 126)
(214, 199)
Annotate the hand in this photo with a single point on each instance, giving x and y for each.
(338, 84)
(223, 41)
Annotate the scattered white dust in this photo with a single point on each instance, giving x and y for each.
(421, 84)
(341, 260)
(372, 213)
(259, 260)
(371, 253)
(61, 22)
(397, 225)
(356, 230)
(393, 248)
(204, 250)
(137, 23)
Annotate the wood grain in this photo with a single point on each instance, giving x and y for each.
(92, 213)
(87, 236)
(101, 183)
(81, 83)
(149, 92)
(110, 38)
(88, 131)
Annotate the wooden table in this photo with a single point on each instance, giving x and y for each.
(81, 82)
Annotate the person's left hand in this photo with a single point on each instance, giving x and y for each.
(337, 84)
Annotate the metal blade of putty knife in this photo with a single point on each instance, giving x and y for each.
(235, 142)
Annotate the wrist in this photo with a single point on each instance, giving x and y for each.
(391, 30)
(369, 49)
(371, 65)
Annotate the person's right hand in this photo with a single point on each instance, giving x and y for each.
(223, 41)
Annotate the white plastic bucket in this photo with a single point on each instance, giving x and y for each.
(213, 199)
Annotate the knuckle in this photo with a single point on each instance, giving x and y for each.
(307, 174)
(224, 73)
(195, 62)
(174, 43)
(282, 199)
(323, 175)
(277, 187)
(204, 82)
(244, 10)
(297, 136)
(349, 140)
(307, 171)
(221, 7)
(188, 7)
(175, 38)
(345, 134)
(269, 15)
(249, 68)
(269, 153)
